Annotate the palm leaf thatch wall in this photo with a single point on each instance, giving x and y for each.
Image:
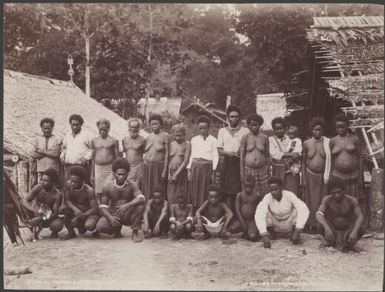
(344, 68)
(28, 99)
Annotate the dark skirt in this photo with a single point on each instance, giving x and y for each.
(261, 176)
(151, 178)
(231, 177)
(202, 172)
(313, 195)
(351, 182)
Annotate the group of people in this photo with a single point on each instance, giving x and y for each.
(241, 182)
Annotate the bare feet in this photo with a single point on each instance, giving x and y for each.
(54, 234)
(118, 234)
(136, 237)
(95, 234)
(69, 235)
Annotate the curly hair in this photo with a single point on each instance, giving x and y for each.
(213, 188)
(76, 117)
(155, 117)
(341, 117)
(203, 119)
(278, 120)
(317, 121)
(233, 108)
(179, 127)
(47, 120)
(254, 117)
(249, 179)
(78, 171)
(103, 121)
(334, 183)
(275, 180)
(158, 189)
(52, 174)
(120, 163)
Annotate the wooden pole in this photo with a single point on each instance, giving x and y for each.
(87, 40)
(32, 174)
(22, 178)
(14, 175)
(376, 200)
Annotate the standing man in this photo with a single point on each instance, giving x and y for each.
(133, 147)
(76, 148)
(229, 142)
(104, 150)
(46, 149)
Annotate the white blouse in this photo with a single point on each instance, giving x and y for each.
(206, 149)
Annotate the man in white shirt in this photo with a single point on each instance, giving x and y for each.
(76, 148)
(202, 164)
(229, 141)
(279, 145)
(280, 212)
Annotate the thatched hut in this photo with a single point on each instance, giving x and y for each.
(28, 99)
(344, 71)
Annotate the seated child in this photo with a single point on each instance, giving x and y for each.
(213, 216)
(181, 220)
(246, 203)
(293, 166)
(155, 215)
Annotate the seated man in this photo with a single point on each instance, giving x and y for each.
(340, 217)
(80, 208)
(246, 203)
(155, 214)
(121, 203)
(181, 220)
(46, 200)
(213, 216)
(280, 212)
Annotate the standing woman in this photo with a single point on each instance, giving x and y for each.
(316, 160)
(180, 151)
(346, 151)
(255, 155)
(279, 145)
(155, 157)
(203, 163)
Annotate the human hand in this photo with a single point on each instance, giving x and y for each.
(244, 226)
(189, 175)
(329, 235)
(173, 179)
(35, 221)
(295, 238)
(156, 229)
(199, 227)
(352, 239)
(122, 209)
(114, 221)
(164, 176)
(266, 241)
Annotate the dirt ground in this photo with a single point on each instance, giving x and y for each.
(165, 264)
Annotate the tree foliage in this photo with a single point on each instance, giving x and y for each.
(207, 51)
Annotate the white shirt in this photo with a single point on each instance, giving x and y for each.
(277, 151)
(206, 149)
(281, 210)
(231, 143)
(76, 148)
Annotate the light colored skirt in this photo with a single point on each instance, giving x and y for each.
(103, 175)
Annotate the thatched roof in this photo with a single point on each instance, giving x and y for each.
(28, 99)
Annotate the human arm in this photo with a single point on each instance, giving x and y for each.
(242, 150)
(104, 209)
(192, 155)
(238, 211)
(187, 154)
(69, 203)
(161, 217)
(56, 205)
(145, 218)
(229, 216)
(302, 210)
(63, 149)
(304, 164)
(138, 199)
(116, 149)
(320, 216)
(93, 204)
(267, 152)
(33, 193)
(92, 176)
(35, 152)
(261, 213)
(360, 161)
(215, 155)
(358, 222)
(198, 215)
(166, 157)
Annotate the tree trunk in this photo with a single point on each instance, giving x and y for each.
(376, 201)
(22, 178)
(32, 174)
